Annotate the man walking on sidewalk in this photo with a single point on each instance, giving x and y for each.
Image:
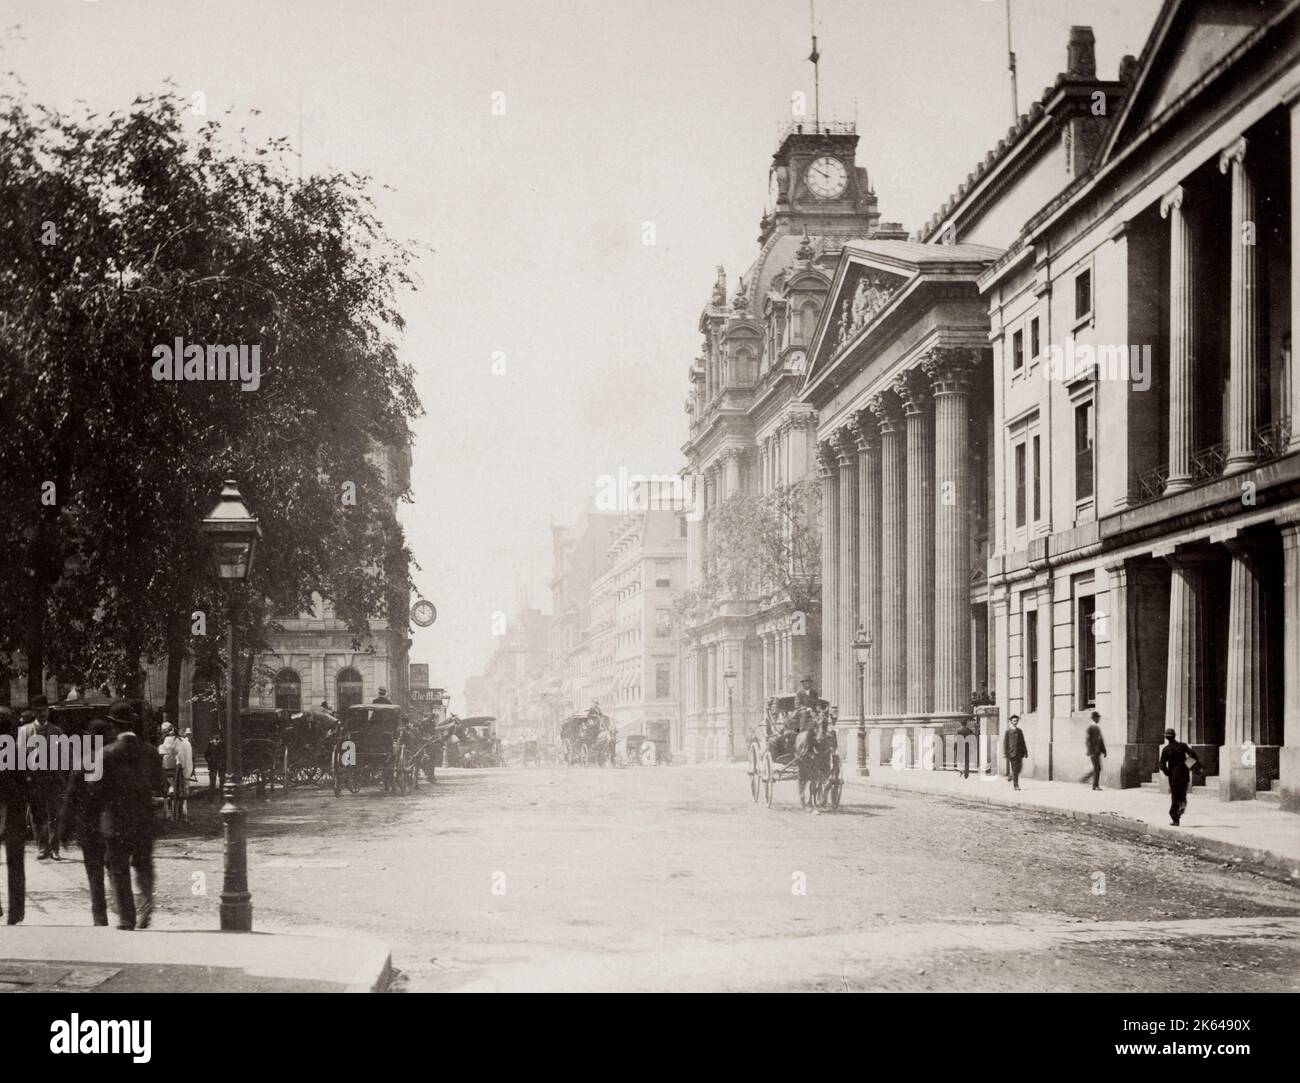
(1096, 749)
(13, 824)
(45, 786)
(132, 773)
(83, 806)
(1014, 748)
(215, 757)
(1173, 762)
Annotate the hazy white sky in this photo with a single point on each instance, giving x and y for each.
(616, 114)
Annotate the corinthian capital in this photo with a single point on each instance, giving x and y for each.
(913, 389)
(826, 459)
(866, 431)
(950, 368)
(845, 445)
(887, 410)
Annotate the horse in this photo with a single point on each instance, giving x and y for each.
(813, 748)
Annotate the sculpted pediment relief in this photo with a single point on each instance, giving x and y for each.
(872, 291)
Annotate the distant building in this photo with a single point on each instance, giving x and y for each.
(634, 642)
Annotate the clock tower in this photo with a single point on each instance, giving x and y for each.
(814, 184)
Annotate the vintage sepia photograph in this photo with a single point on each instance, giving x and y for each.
(651, 496)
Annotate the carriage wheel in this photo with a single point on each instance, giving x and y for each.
(753, 772)
(336, 775)
(767, 778)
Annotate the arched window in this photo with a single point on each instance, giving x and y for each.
(348, 685)
(807, 322)
(288, 690)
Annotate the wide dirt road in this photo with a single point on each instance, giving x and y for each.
(670, 878)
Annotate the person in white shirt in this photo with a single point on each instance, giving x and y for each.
(176, 753)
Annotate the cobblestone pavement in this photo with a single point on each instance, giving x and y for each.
(671, 878)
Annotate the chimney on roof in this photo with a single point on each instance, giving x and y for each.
(1128, 67)
(1081, 54)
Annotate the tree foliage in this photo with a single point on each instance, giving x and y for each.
(762, 545)
(124, 232)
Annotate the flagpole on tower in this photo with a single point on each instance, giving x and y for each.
(1011, 66)
(815, 56)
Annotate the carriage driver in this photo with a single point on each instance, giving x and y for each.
(807, 696)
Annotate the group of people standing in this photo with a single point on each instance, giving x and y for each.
(109, 811)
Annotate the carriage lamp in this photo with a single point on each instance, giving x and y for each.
(861, 650)
(729, 676)
(232, 532)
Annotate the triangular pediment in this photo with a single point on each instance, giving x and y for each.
(1189, 39)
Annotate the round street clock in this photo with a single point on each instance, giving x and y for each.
(826, 178)
(423, 613)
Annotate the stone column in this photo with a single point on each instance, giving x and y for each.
(950, 372)
(1243, 391)
(829, 468)
(888, 412)
(1293, 373)
(1189, 686)
(1290, 751)
(847, 579)
(1249, 753)
(867, 433)
(912, 388)
(1182, 343)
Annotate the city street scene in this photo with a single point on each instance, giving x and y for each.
(763, 496)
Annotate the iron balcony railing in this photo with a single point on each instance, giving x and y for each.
(1207, 463)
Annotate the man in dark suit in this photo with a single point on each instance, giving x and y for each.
(1173, 762)
(1096, 745)
(82, 813)
(132, 775)
(13, 823)
(1014, 748)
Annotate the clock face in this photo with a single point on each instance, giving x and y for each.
(826, 178)
(423, 613)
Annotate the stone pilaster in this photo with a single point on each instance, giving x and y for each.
(1293, 369)
(828, 467)
(867, 432)
(845, 695)
(1249, 753)
(1289, 754)
(1189, 684)
(888, 412)
(1182, 343)
(950, 372)
(912, 388)
(1243, 358)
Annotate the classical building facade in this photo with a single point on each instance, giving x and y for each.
(749, 433)
(905, 385)
(1146, 562)
(634, 643)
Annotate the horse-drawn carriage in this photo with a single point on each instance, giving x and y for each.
(797, 741)
(367, 749)
(309, 739)
(588, 738)
(419, 747)
(261, 746)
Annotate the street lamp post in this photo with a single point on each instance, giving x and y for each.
(232, 531)
(861, 649)
(730, 677)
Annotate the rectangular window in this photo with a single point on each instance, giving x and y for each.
(1031, 661)
(1018, 351)
(1033, 339)
(663, 681)
(1020, 484)
(1038, 473)
(1087, 651)
(663, 574)
(1083, 451)
(1082, 294)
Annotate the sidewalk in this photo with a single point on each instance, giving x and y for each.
(82, 958)
(1250, 832)
(56, 948)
